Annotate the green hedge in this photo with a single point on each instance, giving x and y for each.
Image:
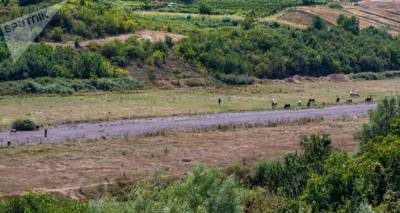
(67, 86)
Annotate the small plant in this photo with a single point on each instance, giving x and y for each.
(205, 9)
(24, 125)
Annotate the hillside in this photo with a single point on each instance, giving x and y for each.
(381, 14)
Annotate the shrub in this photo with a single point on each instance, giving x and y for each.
(56, 34)
(316, 149)
(24, 125)
(68, 86)
(41, 202)
(205, 9)
(335, 5)
(267, 174)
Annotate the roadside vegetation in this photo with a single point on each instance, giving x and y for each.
(321, 178)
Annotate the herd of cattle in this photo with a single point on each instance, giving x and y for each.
(312, 102)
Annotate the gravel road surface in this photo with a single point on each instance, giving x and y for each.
(135, 127)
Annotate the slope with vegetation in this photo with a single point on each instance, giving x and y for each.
(267, 52)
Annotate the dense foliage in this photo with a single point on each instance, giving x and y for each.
(47, 61)
(67, 86)
(202, 191)
(261, 7)
(280, 52)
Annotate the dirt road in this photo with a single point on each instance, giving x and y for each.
(178, 123)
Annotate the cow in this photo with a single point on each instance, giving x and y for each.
(350, 101)
(354, 94)
(219, 101)
(287, 106)
(368, 99)
(13, 131)
(310, 102)
(337, 99)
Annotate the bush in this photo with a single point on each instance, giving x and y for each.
(335, 5)
(56, 34)
(67, 86)
(205, 9)
(41, 202)
(24, 125)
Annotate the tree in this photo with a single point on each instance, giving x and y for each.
(205, 9)
(28, 2)
(351, 24)
(308, 2)
(318, 23)
(249, 20)
(5, 2)
(316, 149)
(380, 120)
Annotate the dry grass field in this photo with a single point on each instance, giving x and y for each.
(73, 167)
(49, 110)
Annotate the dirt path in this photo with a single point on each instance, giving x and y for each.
(178, 123)
(153, 36)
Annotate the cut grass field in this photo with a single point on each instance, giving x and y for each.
(380, 14)
(49, 110)
(77, 167)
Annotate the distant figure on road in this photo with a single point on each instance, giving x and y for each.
(45, 133)
(274, 104)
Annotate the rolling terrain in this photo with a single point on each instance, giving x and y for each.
(381, 14)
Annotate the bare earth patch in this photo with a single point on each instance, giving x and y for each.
(153, 36)
(69, 167)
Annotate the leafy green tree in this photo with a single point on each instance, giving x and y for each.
(205, 9)
(318, 23)
(317, 149)
(249, 20)
(380, 120)
(5, 2)
(351, 24)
